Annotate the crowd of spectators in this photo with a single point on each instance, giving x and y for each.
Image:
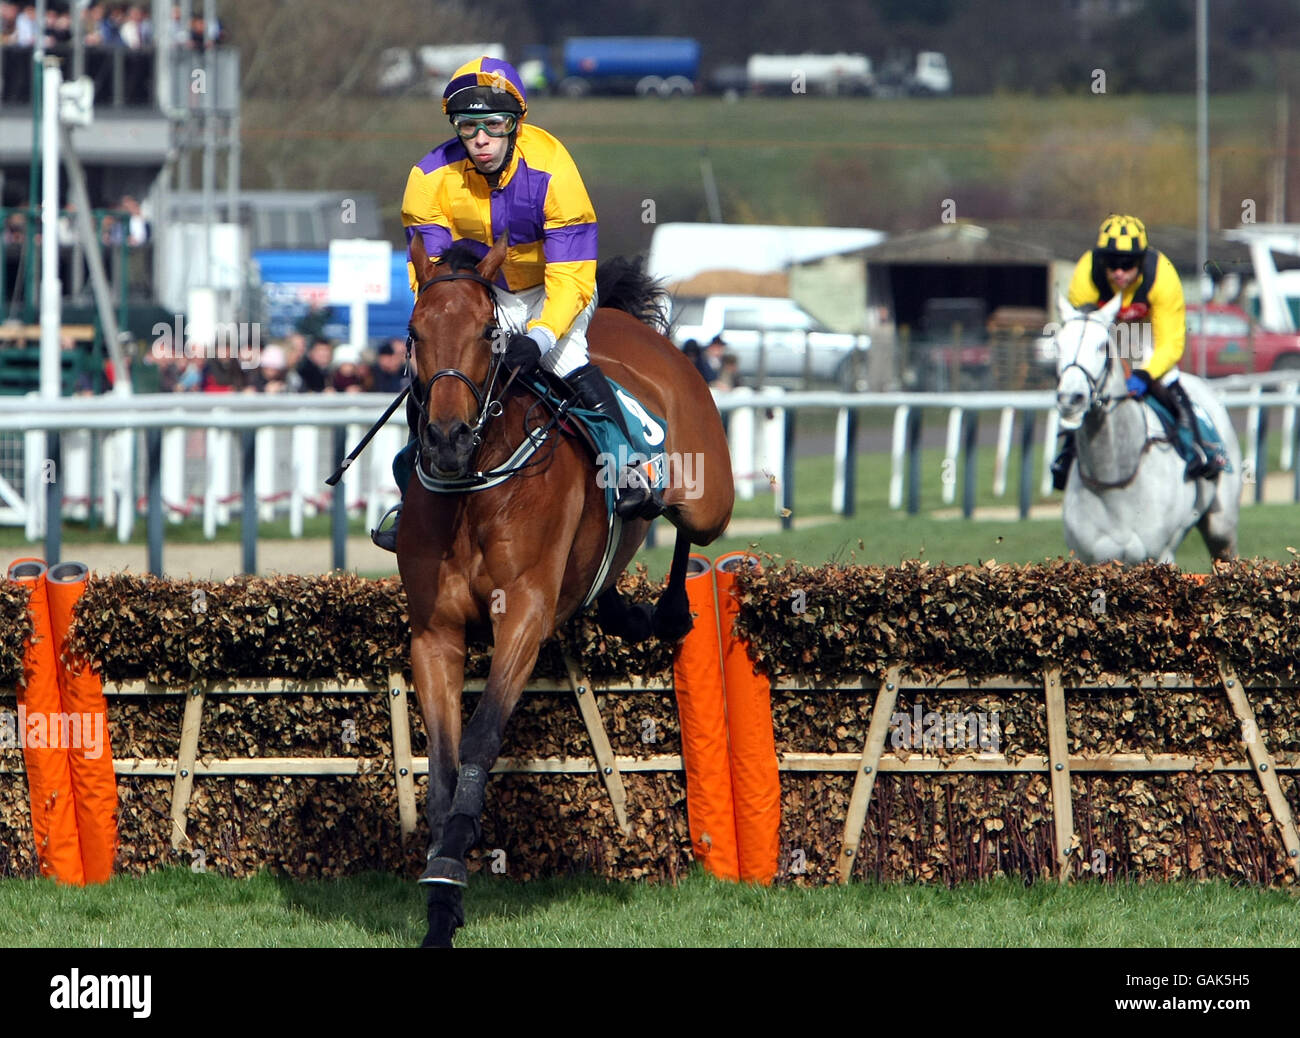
(135, 225)
(103, 25)
(296, 364)
(720, 369)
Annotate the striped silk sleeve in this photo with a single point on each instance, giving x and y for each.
(569, 245)
(422, 215)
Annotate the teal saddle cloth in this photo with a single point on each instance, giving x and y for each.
(614, 452)
(1182, 439)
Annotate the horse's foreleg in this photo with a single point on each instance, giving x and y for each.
(517, 640)
(438, 665)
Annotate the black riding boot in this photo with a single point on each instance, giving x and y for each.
(1204, 465)
(636, 498)
(403, 465)
(1061, 466)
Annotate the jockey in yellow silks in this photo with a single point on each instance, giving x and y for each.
(502, 175)
(1152, 293)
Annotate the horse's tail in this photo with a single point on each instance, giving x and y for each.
(621, 284)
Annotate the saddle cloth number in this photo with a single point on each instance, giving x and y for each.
(654, 433)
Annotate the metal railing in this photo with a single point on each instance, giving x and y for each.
(143, 454)
(128, 77)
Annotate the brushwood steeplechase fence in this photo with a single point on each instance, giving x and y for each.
(1154, 739)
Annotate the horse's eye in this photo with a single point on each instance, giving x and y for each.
(488, 331)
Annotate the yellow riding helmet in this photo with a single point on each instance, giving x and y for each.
(1122, 235)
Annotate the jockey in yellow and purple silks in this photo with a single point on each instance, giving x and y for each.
(502, 175)
(1151, 291)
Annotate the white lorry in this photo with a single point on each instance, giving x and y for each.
(927, 76)
(841, 73)
(773, 337)
(425, 70)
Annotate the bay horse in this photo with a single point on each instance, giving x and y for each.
(1127, 498)
(516, 560)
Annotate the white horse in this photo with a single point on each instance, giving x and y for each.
(1127, 498)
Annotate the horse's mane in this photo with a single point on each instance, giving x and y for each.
(459, 257)
(621, 284)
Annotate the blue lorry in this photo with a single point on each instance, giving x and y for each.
(648, 66)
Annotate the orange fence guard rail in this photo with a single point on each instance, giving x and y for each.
(63, 728)
(733, 790)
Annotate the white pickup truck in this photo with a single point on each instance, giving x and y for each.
(776, 335)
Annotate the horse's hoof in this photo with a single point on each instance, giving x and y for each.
(672, 621)
(446, 914)
(446, 871)
(634, 624)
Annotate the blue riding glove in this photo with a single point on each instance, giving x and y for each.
(1138, 383)
(523, 353)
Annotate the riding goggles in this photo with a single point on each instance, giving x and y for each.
(494, 124)
(1121, 262)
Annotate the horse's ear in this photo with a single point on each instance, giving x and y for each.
(491, 263)
(1064, 308)
(420, 258)
(1107, 313)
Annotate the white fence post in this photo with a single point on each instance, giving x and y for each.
(124, 480)
(841, 459)
(173, 474)
(740, 436)
(75, 477)
(264, 474)
(769, 461)
(34, 451)
(898, 457)
(950, 453)
(1053, 428)
(1006, 426)
(216, 507)
(1288, 427)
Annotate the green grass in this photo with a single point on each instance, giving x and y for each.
(176, 908)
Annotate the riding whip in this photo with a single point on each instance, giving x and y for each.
(347, 462)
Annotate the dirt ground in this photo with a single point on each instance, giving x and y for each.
(218, 561)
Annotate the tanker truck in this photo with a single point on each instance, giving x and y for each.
(648, 66)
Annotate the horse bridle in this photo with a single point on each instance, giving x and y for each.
(486, 397)
(488, 407)
(1095, 396)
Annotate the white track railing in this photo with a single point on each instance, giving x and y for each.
(196, 463)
